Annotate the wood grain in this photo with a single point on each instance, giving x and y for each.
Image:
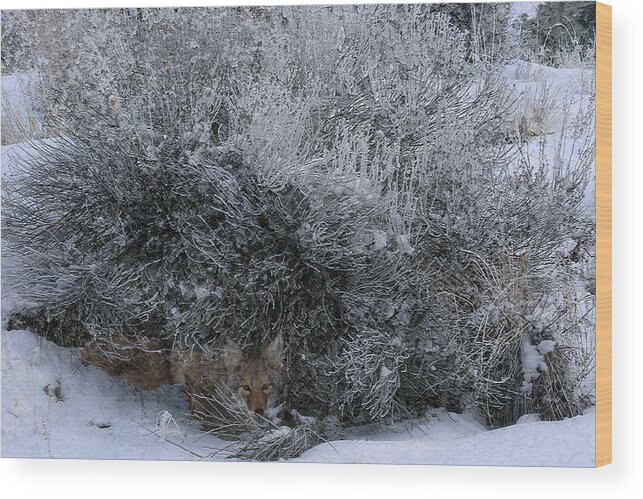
(603, 234)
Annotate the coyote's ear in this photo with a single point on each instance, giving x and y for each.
(274, 350)
(232, 355)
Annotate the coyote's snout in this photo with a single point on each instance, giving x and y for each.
(252, 380)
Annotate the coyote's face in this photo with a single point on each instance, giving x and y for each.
(255, 379)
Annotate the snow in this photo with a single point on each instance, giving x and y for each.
(546, 346)
(567, 247)
(532, 362)
(15, 91)
(454, 439)
(93, 415)
(528, 8)
(554, 104)
(380, 239)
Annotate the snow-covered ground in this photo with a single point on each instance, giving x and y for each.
(456, 439)
(55, 407)
(554, 108)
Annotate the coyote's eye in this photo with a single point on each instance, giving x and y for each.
(246, 388)
(266, 386)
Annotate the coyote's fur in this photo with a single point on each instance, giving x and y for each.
(253, 380)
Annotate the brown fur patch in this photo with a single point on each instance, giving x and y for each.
(143, 363)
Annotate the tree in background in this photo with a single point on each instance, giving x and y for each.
(559, 29)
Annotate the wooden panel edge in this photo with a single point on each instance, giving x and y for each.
(603, 234)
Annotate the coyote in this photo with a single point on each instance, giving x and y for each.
(251, 380)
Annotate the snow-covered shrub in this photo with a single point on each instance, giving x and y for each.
(15, 41)
(486, 26)
(370, 365)
(285, 442)
(511, 260)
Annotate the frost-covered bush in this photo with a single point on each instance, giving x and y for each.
(485, 24)
(371, 364)
(513, 282)
(340, 175)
